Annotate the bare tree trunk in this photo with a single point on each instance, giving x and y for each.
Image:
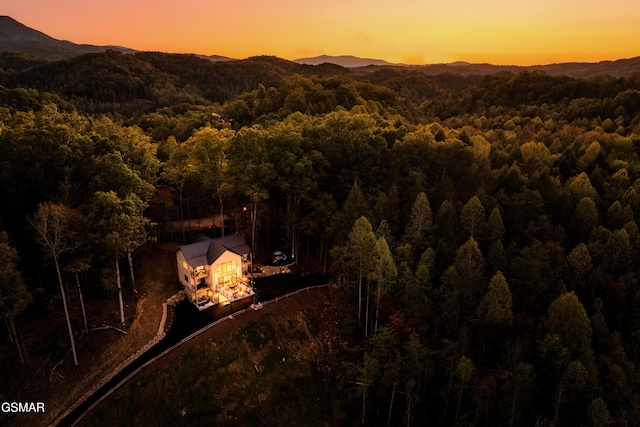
(325, 254)
(24, 349)
(221, 211)
(181, 187)
(393, 394)
(459, 402)
(289, 216)
(254, 219)
(364, 402)
(120, 292)
(133, 279)
(295, 224)
(375, 329)
(13, 336)
(366, 318)
(188, 214)
(294, 245)
(513, 407)
(408, 411)
(558, 401)
(235, 218)
(446, 403)
(360, 291)
(6, 323)
(84, 312)
(294, 231)
(66, 311)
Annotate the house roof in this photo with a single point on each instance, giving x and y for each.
(205, 252)
(196, 253)
(234, 243)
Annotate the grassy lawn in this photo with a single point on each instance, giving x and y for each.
(276, 370)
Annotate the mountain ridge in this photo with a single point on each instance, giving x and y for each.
(19, 38)
(347, 61)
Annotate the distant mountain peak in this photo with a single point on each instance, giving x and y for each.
(14, 30)
(17, 37)
(460, 64)
(216, 58)
(347, 61)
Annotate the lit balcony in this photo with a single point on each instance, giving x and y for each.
(200, 272)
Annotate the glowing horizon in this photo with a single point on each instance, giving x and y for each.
(405, 31)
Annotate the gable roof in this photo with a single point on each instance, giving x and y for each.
(206, 251)
(234, 243)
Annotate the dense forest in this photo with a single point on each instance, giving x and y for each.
(480, 232)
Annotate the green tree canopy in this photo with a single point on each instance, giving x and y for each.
(568, 319)
(14, 295)
(495, 306)
(421, 220)
(472, 217)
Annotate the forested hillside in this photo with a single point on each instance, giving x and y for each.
(481, 232)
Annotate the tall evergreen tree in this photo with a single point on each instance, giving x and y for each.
(361, 246)
(421, 220)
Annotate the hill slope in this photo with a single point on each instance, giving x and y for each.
(16, 37)
(578, 70)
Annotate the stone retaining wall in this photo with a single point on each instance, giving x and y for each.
(159, 336)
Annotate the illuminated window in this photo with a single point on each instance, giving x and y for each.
(226, 267)
(185, 265)
(226, 280)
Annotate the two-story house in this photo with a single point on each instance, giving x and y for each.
(215, 271)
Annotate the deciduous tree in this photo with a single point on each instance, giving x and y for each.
(384, 274)
(119, 228)
(207, 155)
(568, 319)
(472, 217)
(495, 306)
(178, 171)
(580, 261)
(495, 226)
(14, 296)
(53, 232)
(421, 220)
(465, 370)
(252, 172)
(362, 246)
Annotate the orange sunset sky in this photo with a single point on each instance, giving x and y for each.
(409, 31)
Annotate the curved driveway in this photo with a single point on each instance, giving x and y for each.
(225, 325)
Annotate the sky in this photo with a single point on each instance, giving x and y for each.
(505, 32)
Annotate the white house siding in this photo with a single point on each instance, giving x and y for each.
(193, 257)
(227, 256)
(182, 271)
